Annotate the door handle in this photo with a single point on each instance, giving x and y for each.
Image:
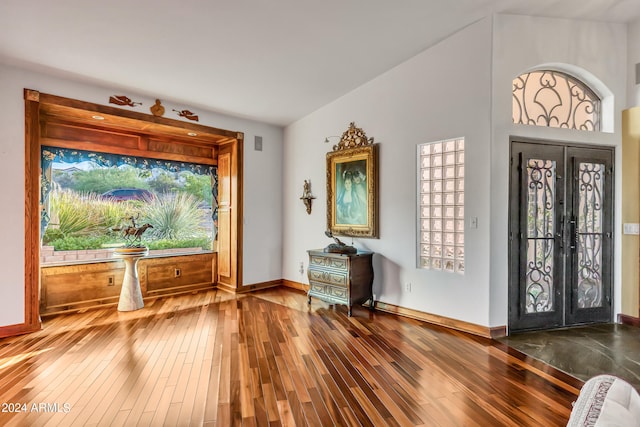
(574, 234)
(560, 235)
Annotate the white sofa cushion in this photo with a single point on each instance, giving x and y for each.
(606, 400)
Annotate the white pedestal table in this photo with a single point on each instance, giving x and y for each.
(130, 295)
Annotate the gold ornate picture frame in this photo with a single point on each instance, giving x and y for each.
(352, 170)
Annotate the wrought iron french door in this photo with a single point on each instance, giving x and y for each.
(560, 235)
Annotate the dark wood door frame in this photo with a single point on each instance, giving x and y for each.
(563, 238)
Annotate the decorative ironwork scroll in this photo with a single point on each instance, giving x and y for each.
(554, 99)
(541, 192)
(589, 234)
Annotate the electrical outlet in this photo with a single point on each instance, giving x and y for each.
(301, 267)
(631, 228)
(407, 286)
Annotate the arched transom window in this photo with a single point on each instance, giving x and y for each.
(555, 99)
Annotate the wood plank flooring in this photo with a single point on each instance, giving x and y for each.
(267, 358)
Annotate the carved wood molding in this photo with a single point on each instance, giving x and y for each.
(31, 95)
(353, 137)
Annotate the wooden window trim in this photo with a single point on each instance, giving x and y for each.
(64, 122)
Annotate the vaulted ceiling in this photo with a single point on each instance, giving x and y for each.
(269, 60)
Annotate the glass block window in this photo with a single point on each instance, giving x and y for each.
(441, 205)
(554, 99)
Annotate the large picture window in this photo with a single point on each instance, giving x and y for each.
(86, 197)
(441, 205)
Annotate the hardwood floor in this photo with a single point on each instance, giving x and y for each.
(267, 358)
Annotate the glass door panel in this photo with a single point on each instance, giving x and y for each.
(541, 185)
(560, 228)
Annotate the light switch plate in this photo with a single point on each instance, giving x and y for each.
(631, 228)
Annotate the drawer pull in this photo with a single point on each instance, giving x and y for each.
(339, 292)
(339, 279)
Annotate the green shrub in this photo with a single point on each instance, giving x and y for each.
(73, 243)
(164, 182)
(196, 242)
(86, 221)
(73, 213)
(199, 186)
(112, 214)
(105, 179)
(52, 234)
(173, 216)
(83, 214)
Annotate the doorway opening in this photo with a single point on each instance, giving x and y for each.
(560, 235)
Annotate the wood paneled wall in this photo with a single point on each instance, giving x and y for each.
(631, 211)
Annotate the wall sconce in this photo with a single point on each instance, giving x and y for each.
(307, 197)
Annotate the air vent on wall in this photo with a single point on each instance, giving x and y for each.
(257, 143)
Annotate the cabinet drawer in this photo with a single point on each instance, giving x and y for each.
(69, 286)
(325, 261)
(328, 277)
(340, 278)
(319, 288)
(171, 273)
(328, 292)
(337, 292)
(169, 276)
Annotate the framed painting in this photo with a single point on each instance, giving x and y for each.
(352, 188)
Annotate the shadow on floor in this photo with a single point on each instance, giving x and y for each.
(585, 351)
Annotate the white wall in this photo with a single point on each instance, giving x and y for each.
(633, 52)
(521, 43)
(460, 87)
(262, 180)
(444, 92)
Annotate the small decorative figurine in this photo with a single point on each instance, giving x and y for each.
(132, 234)
(307, 197)
(123, 100)
(187, 114)
(339, 246)
(157, 109)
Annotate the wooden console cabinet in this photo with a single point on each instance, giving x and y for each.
(341, 278)
(68, 288)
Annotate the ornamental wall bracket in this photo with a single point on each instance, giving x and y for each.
(307, 197)
(353, 137)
